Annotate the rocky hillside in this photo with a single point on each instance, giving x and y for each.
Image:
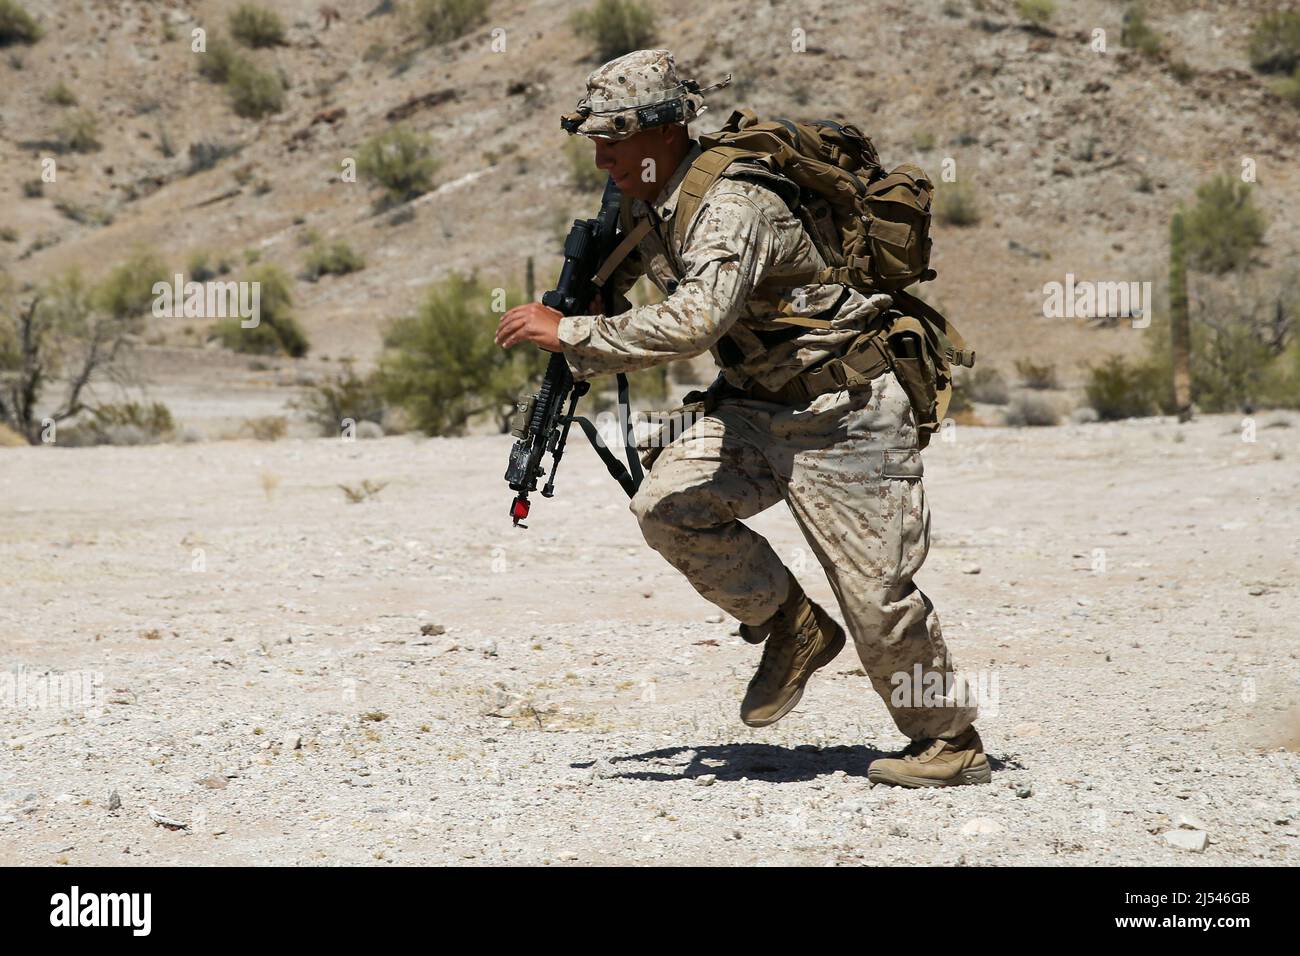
(1074, 157)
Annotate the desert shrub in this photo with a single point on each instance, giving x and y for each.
(203, 267)
(1033, 375)
(344, 395)
(60, 95)
(128, 423)
(1225, 226)
(1036, 12)
(218, 60)
(1289, 88)
(204, 155)
(1029, 409)
(277, 330)
(255, 26)
(615, 27)
(399, 160)
(1275, 42)
(254, 92)
(438, 21)
(265, 428)
(334, 258)
(986, 385)
(955, 204)
(127, 292)
(583, 174)
(78, 132)
(443, 367)
(1120, 389)
(17, 25)
(33, 188)
(1136, 34)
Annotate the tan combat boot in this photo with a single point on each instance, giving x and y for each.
(934, 762)
(801, 637)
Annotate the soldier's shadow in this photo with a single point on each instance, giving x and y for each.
(769, 762)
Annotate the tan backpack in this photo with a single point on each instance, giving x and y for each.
(872, 228)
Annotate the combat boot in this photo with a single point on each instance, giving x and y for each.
(801, 637)
(935, 762)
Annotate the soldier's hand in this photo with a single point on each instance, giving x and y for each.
(531, 322)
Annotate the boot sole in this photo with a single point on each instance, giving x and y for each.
(822, 660)
(972, 775)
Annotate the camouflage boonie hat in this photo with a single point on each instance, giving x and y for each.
(634, 92)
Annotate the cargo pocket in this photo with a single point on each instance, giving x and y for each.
(672, 426)
(900, 472)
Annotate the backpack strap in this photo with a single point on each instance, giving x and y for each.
(939, 330)
(704, 172)
(621, 252)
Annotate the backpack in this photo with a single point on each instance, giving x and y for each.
(871, 226)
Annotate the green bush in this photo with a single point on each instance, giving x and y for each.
(254, 92)
(78, 132)
(1118, 389)
(438, 21)
(277, 330)
(129, 423)
(1036, 376)
(615, 27)
(1275, 43)
(202, 268)
(955, 204)
(1037, 12)
(443, 367)
(127, 293)
(1224, 227)
(17, 25)
(345, 395)
(1136, 34)
(60, 95)
(1289, 88)
(335, 258)
(255, 26)
(399, 160)
(1027, 409)
(218, 60)
(1233, 369)
(985, 385)
(583, 174)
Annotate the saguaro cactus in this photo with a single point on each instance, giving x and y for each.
(1180, 338)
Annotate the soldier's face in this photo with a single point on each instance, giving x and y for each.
(626, 161)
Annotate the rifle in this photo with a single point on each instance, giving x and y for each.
(541, 423)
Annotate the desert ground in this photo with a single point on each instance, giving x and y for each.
(215, 657)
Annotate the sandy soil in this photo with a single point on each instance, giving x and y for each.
(258, 672)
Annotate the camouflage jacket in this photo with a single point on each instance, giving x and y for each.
(743, 236)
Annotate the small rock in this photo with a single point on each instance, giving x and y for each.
(1024, 792)
(713, 619)
(293, 742)
(706, 780)
(566, 855)
(432, 630)
(114, 801)
(981, 826)
(1194, 840)
(1185, 821)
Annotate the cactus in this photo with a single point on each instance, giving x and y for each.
(1179, 326)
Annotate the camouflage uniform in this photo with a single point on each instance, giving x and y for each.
(847, 464)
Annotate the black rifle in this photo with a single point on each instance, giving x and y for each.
(542, 424)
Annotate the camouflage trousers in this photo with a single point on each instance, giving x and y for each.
(848, 467)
